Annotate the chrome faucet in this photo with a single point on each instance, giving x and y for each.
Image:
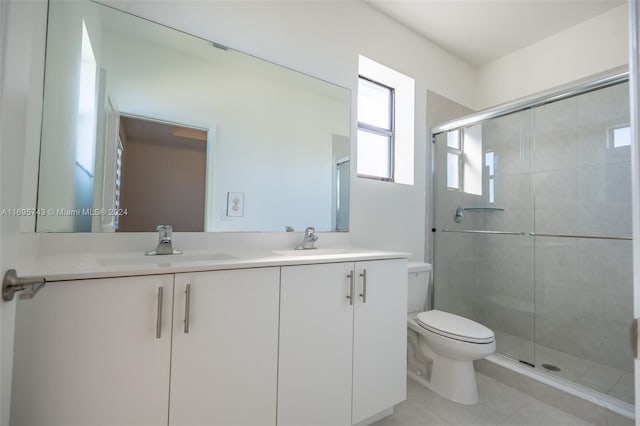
(164, 243)
(309, 240)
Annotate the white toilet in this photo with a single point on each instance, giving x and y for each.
(442, 346)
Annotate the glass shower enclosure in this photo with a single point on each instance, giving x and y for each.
(532, 220)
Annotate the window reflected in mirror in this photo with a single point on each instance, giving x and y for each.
(277, 136)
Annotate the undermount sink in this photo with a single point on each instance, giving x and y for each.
(163, 260)
(311, 252)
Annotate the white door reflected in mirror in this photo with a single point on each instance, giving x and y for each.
(273, 134)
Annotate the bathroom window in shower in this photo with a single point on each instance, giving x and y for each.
(619, 136)
(454, 160)
(464, 160)
(489, 164)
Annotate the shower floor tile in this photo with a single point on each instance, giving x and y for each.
(602, 378)
(499, 405)
(623, 390)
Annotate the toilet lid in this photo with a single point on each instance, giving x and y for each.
(455, 327)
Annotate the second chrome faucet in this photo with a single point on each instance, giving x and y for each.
(164, 242)
(309, 240)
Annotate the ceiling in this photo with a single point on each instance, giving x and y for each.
(480, 31)
(140, 130)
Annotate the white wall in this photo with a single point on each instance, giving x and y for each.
(591, 47)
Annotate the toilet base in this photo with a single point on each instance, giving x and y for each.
(450, 378)
(459, 386)
(454, 380)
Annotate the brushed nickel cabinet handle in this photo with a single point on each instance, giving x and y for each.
(363, 274)
(351, 287)
(187, 308)
(159, 317)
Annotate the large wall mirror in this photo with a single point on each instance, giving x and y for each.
(144, 125)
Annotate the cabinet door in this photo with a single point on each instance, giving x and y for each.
(380, 337)
(316, 331)
(86, 353)
(224, 367)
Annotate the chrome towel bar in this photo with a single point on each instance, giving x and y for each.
(536, 234)
(592, 237)
(12, 283)
(471, 231)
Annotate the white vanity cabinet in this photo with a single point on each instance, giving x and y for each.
(275, 344)
(225, 348)
(88, 353)
(380, 337)
(342, 356)
(96, 352)
(316, 346)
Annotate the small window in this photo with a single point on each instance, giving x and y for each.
(453, 170)
(375, 130)
(386, 123)
(453, 139)
(620, 136)
(489, 163)
(454, 160)
(87, 107)
(464, 160)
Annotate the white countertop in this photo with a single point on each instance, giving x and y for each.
(86, 266)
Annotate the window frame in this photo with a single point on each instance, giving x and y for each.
(381, 131)
(611, 136)
(491, 176)
(459, 154)
(118, 183)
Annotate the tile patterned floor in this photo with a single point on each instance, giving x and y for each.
(499, 405)
(602, 378)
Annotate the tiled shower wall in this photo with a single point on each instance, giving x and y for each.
(582, 185)
(557, 171)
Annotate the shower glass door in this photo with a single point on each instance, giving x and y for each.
(533, 224)
(581, 174)
(483, 262)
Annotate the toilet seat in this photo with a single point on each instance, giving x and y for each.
(455, 327)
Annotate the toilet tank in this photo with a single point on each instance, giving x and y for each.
(419, 280)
